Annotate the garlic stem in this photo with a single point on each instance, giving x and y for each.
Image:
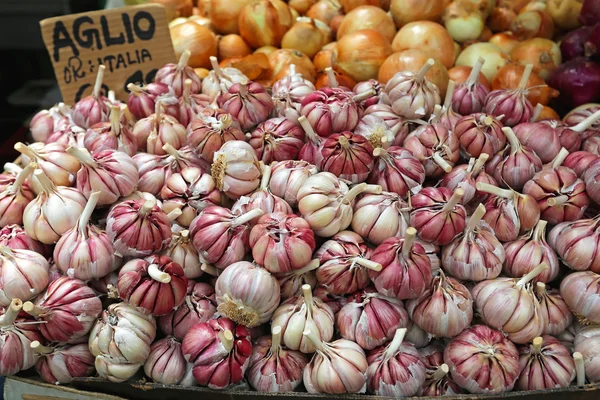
(111, 291)
(333, 83)
(481, 160)
(343, 141)
(373, 189)
(512, 139)
(183, 60)
(409, 240)
(217, 68)
(449, 93)
(312, 265)
(170, 150)
(441, 372)
(99, 79)
(40, 348)
(540, 289)
(22, 176)
(363, 96)
(525, 77)
(532, 274)
(436, 114)
(315, 340)
(474, 75)
(147, 206)
(12, 168)
(12, 312)
(380, 152)
(174, 214)
(134, 88)
(187, 90)
(46, 184)
(586, 123)
(539, 231)
(184, 234)
(579, 368)
(372, 265)
(266, 177)
(496, 191)
(560, 158)
(424, 69)
(209, 269)
(558, 200)
(393, 347)
(32, 309)
(226, 338)
(353, 192)
(247, 217)
(537, 344)
(307, 294)
(25, 150)
(157, 113)
(309, 131)
(292, 70)
(157, 274)
(115, 120)
(536, 112)
(454, 200)
(475, 218)
(275, 339)
(112, 97)
(83, 156)
(443, 164)
(243, 90)
(84, 218)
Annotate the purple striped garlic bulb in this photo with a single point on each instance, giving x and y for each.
(330, 110)
(479, 133)
(16, 336)
(400, 127)
(292, 87)
(287, 177)
(248, 102)
(235, 169)
(272, 367)
(302, 312)
(160, 129)
(167, 365)
(545, 364)
(67, 310)
(15, 197)
(469, 96)
(575, 243)
(115, 370)
(376, 130)
(581, 292)
(380, 216)
(554, 310)
(466, 177)
(337, 367)
(182, 252)
(113, 135)
(587, 342)
(277, 139)
(370, 319)
(510, 305)
(53, 159)
(397, 170)
(396, 369)
(60, 364)
(482, 360)
(23, 275)
(438, 381)
(512, 103)
(142, 99)
(46, 122)
(93, 108)
(445, 309)
(175, 75)
(14, 237)
(210, 130)
(290, 283)
(436, 147)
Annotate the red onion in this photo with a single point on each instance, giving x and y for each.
(53, 212)
(346, 155)
(248, 102)
(221, 236)
(72, 135)
(586, 343)
(235, 169)
(469, 97)
(337, 367)
(376, 130)
(272, 368)
(175, 75)
(155, 285)
(529, 251)
(509, 213)
(302, 312)
(142, 100)
(406, 269)
(437, 379)
(331, 110)
(287, 177)
(584, 119)
(345, 263)
(396, 369)
(435, 146)
(554, 309)
(310, 151)
(437, 214)
(15, 197)
(61, 364)
(370, 319)
(578, 82)
(45, 122)
(397, 170)
(53, 159)
(247, 294)
(399, 126)
(512, 103)
(510, 305)
(220, 351)
(210, 130)
(579, 161)
(94, 108)
(138, 228)
(445, 309)
(112, 135)
(14, 237)
(545, 364)
(16, 337)
(380, 216)
(68, 309)
(478, 134)
(282, 242)
(166, 364)
(277, 139)
(466, 177)
(199, 306)
(476, 254)
(576, 43)
(412, 95)
(580, 291)
(482, 360)
(576, 243)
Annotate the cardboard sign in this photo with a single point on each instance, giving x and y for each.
(131, 42)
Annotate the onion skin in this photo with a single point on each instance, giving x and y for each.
(429, 37)
(404, 11)
(199, 40)
(493, 373)
(263, 23)
(360, 54)
(367, 17)
(549, 366)
(578, 82)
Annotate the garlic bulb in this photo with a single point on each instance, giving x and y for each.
(437, 215)
(14, 236)
(23, 275)
(287, 177)
(581, 292)
(466, 177)
(575, 243)
(587, 342)
(235, 169)
(380, 216)
(53, 159)
(397, 170)
(290, 283)
(210, 130)
(435, 147)
(182, 252)
(554, 309)
(438, 381)
(545, 364)
(395, 370)
(113, 369)
(15, 197)
(166, 364)
(247, 294)
(61, 364)
(93, 108)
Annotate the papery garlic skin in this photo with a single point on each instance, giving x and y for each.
(397, 170)
(555, 310)
(482, 360)
(235, 169)
(438, 381)
(210, 130)
(545, 364)
(115, 370)
(23, 275)
(581, 292)
(166, 363)
(380, 216)
(576, 244)
(287, 177)
(182, 251)
(587, 342)
(64, 363)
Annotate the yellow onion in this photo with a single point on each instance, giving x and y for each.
(197, 39)
(429, 37)
(463, 20)
(494, 57)
(360, 54)
(405, 11)
(305, 36)
(224, 15)
(264, 22)
(367, 17)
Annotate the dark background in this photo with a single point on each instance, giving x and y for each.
(27, 80)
